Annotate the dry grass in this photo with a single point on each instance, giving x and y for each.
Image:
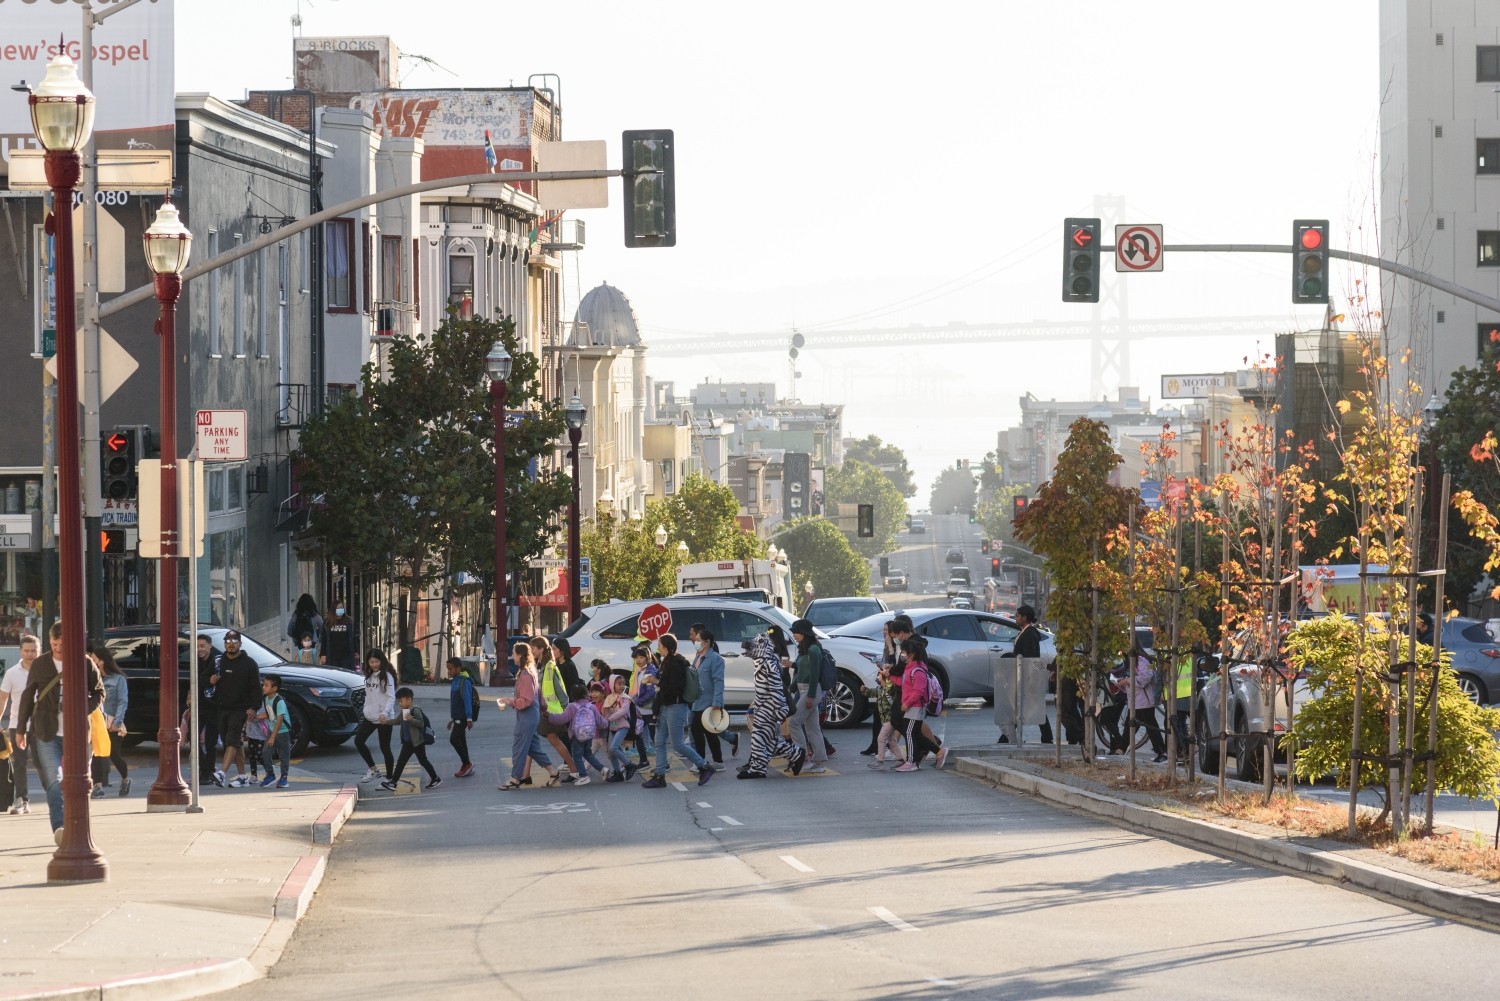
(1449, 851)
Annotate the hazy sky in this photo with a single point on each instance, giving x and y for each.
(869, 164)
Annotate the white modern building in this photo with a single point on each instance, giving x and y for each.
(1440, 175)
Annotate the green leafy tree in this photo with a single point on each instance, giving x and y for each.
(818, 552)
(1069, 524)
(624, 558)
(861, 483)
(1473, 403)
(705, 515)
(405, 472)
(954, 490)
(889, 459)
(1329, 649)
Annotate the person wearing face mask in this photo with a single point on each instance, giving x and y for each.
(306, 619)
(307, 650)
(709, 664)
(340, 646)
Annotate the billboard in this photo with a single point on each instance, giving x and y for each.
(453, 124)
(1188, 387)
(132, 65)
(796, 485)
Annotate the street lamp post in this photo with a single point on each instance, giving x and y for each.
(575, 414)
(168, 244)
(660, 536)
(497, 365)
(62, 116)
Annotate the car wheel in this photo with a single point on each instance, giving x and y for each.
(1247, 753)
(301, 728)
(847, 706)
(1208, 747)
(1473, 689)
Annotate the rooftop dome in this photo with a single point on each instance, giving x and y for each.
(605, 319)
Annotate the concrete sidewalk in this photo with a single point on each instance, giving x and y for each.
(195, 903)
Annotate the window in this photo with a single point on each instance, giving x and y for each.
(959, 628)
(1489, 248)
(1489, 64)
(736, 627)
(996, 631)
(338, 260)
(1487, 156)
(215, 347)
(461, 283)
(283, 336)
(261, 306)
(390, 269)
(1489, 338)
(416, 279)
(367, 254)
(239, 301)
(1437, 132)
(625, 629)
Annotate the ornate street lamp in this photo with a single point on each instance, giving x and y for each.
(497, 365)
(575, 414)
(62, 116)
(682, 549)
(661, 536)
(168, 244)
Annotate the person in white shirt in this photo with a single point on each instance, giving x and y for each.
(11, 688)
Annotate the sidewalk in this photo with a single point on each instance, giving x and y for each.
(195, 903)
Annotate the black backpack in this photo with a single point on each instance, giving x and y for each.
(828, 673)
(473, 693)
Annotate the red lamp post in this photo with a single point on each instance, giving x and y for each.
(497, 365)
(168, 244)
(575, 414)
(62, 116)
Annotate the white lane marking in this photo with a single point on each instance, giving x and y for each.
(940, 982)
(705, 806)
(892, 920)
(796, 864)
(716, 828)
(679, 787)
(730, 821)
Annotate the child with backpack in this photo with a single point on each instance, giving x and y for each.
(915, 684)
(584, 723)
(1147, 694)
(645, 704)
(273, 710)
(416, 735)
(463, 712)
(620, 710)
(307, 650)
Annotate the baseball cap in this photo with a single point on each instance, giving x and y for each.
(232, 634)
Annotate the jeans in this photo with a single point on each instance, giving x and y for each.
(18, 759)
(671, 725)
(526, 743)
(48, 755)
(617, 755)
(282, 746)
(362, 743)
(806, 731)
(583, 752)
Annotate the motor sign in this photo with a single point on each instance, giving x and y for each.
(655, 622)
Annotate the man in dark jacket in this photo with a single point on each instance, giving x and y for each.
(236, 681)
(39, 728)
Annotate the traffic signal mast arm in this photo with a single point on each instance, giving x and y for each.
(1392, 267)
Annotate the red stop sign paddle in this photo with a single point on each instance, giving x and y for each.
(656, 620)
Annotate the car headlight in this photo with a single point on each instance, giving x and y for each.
(329, 691)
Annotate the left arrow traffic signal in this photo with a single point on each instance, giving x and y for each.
(118, 451)
(1080, 260)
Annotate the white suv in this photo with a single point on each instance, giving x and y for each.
(608, 632)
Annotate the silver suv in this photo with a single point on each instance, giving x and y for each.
(608, 632)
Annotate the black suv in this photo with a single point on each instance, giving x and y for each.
(325, 704)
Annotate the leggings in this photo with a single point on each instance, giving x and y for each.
(702, 737)
(407, 750)
(100, 766)
(362, 743)
(617, 755)
(458, 736)
(916, 738)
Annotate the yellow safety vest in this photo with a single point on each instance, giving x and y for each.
(1184, 682)
(552, 692)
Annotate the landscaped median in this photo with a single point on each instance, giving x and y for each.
(1191, 814)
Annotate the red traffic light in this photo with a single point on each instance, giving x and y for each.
(1312, 238)
(117, 442)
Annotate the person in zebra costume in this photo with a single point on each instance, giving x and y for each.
(767, 712)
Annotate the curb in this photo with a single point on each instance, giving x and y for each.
(331, 820)
(172, 984)
(1479, 907)
(301, 883)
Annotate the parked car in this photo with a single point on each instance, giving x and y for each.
(963, 599)
(959, 580)
(826, 613)
(324, 703)
(963, 646)
(918, 526)
(895, 581)
(955, 555)
(608, 632)
(1476, 658)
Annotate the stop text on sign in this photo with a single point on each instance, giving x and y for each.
(655, 621)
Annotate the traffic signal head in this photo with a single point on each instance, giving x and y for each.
(112, 542)
(971, 517)
(650, 188)
(1080, 260)
(1310, 261)
(1018, 506)
(995, 567)
(984, 545)
(118, 451)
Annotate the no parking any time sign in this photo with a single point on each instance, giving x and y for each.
(222, 435)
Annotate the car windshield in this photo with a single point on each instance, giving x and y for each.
(871, 627)
(832, 613)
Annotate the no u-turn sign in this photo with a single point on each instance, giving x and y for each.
(1138, 247)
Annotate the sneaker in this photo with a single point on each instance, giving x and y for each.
(370, 776)
(654, 782)
(25, 806)
(616, 777)
(878, 766)
(239, 781)
(868, 751)
(734, 744)
(57, 836)
(281, 783)
(218, 778)
(748, 774)
(704, 774)
(124, 787)
(464, 772)
(14, 808)
(266, 782)
(906, 766)
(942, 758)
(581, 780)
(98, 792)
(434, 783)
(388, 785)
(630, 771)
(1159, 758)
(566, 776)
(815, 770)
(797, 762)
